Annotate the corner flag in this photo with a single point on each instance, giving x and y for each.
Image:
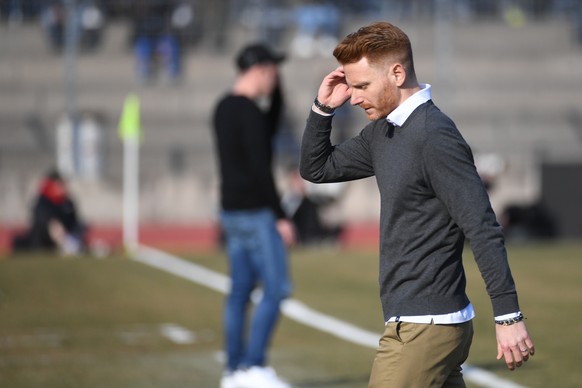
(129, 132)
(129, 123)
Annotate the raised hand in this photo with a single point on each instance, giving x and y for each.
(334, 90)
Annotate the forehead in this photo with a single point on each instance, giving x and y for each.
(362, 72)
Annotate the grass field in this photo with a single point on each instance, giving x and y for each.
(118, 323)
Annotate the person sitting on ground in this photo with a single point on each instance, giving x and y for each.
(55, 224)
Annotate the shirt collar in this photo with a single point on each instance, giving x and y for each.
(399, 115)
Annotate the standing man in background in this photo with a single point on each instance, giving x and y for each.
(431, 199)
(254, 224)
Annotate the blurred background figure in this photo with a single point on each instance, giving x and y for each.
(269, 19)
(256, 228)
(156, 37)
(89, 24)
(53, 21)
(489, 167)
(54, 223)
(526, 223)
(318, 25)
(573, 11)
(92, 22)
(304, 203)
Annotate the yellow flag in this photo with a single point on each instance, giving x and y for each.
(129, 124)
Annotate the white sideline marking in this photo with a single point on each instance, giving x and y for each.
(177, 334)
(296, 310)
(301, 313)
(185, 269)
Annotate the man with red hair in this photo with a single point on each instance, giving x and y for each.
(431, 199)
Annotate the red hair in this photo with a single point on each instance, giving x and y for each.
(377, 42)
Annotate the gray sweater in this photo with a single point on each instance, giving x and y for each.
(431, 198)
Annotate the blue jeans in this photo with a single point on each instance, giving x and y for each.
(166, 48)
(256, 255)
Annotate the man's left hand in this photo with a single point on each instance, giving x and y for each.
(287, 231)
(514, 344)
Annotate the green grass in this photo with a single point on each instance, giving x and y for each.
(550, 292)
(95, 323)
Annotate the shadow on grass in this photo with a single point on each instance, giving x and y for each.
(337, 382)
(490, 366)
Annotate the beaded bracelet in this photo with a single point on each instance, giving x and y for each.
(324, 108)
(511, 321)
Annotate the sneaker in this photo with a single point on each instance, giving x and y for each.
(259, 377)
(228, 380)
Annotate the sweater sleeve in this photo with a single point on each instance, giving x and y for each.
(321, 162)
(275, 110)
(256, 143)
(450, 170)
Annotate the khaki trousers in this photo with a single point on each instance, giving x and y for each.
(421, 355)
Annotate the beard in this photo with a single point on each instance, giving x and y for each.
(373, 113)
(384, 103)
(382, 108)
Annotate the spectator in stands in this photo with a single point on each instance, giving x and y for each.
(55, 224)
(304, 207)
(156, 38)
(254, 224)
(318, 23)
(88, 23)
(53, 19)
(527, 222)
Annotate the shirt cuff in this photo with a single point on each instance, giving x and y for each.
(320, 112)
(507, 316)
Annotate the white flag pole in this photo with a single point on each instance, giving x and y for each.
(130, 132)
(130, 194)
